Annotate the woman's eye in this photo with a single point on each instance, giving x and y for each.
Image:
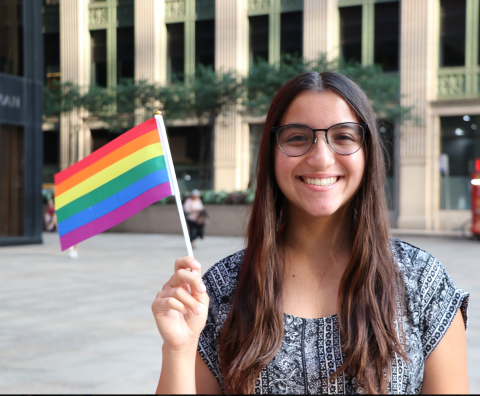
(297, 138)
(345, 137)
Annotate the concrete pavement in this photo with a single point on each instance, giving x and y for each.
(85, 325)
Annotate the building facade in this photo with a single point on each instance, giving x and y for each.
(21, 84)
(432, 45)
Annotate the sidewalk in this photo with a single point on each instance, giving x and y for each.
(85, 325)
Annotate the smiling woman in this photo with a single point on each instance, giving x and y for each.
(322, 300)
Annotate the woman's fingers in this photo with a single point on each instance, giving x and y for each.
(162, 305)
(177, 298)
(182, 276)
(187, 263)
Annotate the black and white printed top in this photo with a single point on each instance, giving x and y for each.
(311, 349)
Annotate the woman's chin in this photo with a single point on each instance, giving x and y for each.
(318, 212)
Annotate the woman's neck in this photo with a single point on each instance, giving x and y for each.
(316, 254)
(319, 239)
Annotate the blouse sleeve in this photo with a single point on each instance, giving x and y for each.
(220, 281)
(440, 301)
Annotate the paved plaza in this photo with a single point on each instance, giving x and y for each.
(85, 325)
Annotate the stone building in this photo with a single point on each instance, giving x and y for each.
(433, 45)
(21, 80)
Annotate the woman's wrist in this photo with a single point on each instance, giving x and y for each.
(180, 351)
(178, 369)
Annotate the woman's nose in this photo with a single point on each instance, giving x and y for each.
(320, 154)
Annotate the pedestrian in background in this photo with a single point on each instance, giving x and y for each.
(322, 300)
(50, 216)
(195, 215)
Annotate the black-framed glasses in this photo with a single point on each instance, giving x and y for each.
(296, 139)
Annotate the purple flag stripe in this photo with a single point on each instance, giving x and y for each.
(115, 216)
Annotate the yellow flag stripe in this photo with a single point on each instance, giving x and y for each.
(110, 173)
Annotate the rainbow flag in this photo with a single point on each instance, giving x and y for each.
(112, 184)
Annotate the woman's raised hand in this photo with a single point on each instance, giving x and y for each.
(181, 308)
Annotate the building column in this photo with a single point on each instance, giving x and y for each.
(150, 41)
(418, 74)
(74, 44)
(231, 137)
(320, 28)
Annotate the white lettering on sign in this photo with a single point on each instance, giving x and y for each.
(10, 101)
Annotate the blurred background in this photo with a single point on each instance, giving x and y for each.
(75, 74)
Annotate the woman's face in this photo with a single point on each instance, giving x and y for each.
(296, 176)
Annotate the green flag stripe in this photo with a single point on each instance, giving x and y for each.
(112, 187)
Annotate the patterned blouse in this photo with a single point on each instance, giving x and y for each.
(311, 349)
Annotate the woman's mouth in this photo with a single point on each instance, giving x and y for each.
(319, 182)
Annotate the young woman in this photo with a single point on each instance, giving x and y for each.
(321, 300)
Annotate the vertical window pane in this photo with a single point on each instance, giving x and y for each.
(11, 180)
(11, 37)
(291, 34)
(205, 43)
(258, 38)
(387, 35)
(51, 155)
(125, 53)
(175, 51)
(192, 156)
(461, 142)
(51, 46)
(98, 70)
(452, 32)
(351, 33)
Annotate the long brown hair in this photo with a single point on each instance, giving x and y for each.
(370, 287)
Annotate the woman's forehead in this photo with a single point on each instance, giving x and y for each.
(320, 109)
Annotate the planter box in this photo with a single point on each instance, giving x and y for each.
(224, 220)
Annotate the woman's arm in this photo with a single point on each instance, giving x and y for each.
(205, 381)
(446, 367)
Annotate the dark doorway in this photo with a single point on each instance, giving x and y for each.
(12, 159)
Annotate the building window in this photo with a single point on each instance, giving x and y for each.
(258, 38)
(452, 32)
(51, 155)
(387, 31)
(125, 53)
(205, 43)
(351, 33)
(175, 51)
(291, 34)
(11, 37)
(192, 156)
(12, 158)
(98, 70)
(461, 142)
(51, 53)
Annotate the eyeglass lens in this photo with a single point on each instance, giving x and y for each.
(296, 140)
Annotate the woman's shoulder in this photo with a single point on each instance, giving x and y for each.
(432, 298)
(221, 278)
(407, 254)
(413, 261)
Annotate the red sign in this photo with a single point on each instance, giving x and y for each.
(476, 199)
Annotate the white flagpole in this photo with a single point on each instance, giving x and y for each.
(173, 178)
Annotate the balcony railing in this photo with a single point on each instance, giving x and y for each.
(458, 83)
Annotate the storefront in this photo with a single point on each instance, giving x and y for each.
(21, 83)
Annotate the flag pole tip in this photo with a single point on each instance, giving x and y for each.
(159, 112)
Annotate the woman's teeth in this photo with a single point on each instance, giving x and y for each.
(320, 182)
